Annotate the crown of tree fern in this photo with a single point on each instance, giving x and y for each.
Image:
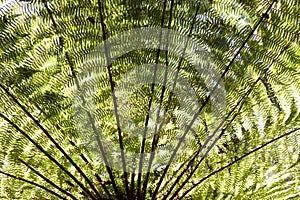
(61, 118)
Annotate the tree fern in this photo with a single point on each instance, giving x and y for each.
(74, 125)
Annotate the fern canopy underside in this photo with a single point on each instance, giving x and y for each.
(169, 99)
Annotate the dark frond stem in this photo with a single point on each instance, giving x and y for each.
(132, 185)
(156, 136)
(91, 168)
(77, 149)
(91, 119)
(155, 142)
(103, 185)
(99, 143)
(132, 177)
(182, 173)
(47, 180)
(61, 130)
(181, 167)
(46, 153)
(208, 98)
(96, 175)
(48, 135)
(241, 102)
(141, 160)
(237, 160)
(33, 183)
(112, 84)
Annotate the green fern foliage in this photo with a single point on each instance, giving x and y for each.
(72, 126)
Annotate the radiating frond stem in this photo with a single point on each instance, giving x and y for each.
(48, 155)
(132, 185)
(240, 105)
(91, 168)
(33, 183)
(69, 61)
(47, 180)
(112, 85)
(191, 161)
(99, 142)
(141, 160)
(208, 98)
(241, 102)
(81, 155)
(155, 135)
(96, 175)
(175, 183)
(103, 185)
(155, 142)
(239, 159)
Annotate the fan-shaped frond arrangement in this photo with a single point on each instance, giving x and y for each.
(149, 99)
